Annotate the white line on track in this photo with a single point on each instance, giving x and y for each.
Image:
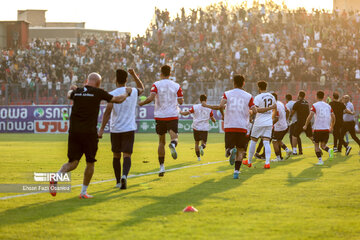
(131, 176)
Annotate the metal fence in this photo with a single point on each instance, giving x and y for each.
(55, 93)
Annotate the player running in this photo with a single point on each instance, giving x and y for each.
(201, 126)
(265, 102)
(323, 125)
(83, 137)
(122, 125)
(301, 109)
(167, 95)
(348, 125)
(280, 129)
(236, 120)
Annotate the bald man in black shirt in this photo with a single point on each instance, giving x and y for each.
(83, 138)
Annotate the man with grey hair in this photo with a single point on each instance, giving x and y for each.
(83, 137)
(348, 125)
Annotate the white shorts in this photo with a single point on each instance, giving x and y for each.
(261, 131)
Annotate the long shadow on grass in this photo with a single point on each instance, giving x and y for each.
(314, 172)
(170, 167)
(43, 210)
(174, 203)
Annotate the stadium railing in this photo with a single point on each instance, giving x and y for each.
(16, 94)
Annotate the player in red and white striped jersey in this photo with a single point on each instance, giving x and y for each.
(323, 125)
(167, 95)
(201, 126)
(236, 120)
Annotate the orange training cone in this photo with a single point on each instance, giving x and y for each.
(190, 209)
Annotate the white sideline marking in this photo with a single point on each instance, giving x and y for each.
(108, 180)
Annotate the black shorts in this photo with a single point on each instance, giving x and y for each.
(122, 142)
(82, 143)
(163, 127)
(279, 135)
(200, 135)
(321, 136)
(298, 129)
(235, 139)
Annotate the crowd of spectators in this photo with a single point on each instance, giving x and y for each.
(204, 47)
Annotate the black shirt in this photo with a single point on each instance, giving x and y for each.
(302, 110)
(338, 108)
(85, 111)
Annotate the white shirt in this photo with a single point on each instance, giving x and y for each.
(66, 79)
(357, 73)
(349, 117)
(123, 114)
(322, 112)
(201, 117)
(237, 55)
(74, 79)
(238, 104)
(290, 106)
(264, 100)
(166, 105)
(281, 124)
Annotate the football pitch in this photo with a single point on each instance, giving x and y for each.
(295, 199)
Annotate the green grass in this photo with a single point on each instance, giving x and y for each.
(293, 200)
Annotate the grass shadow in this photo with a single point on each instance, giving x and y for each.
(169, 168)
(172, 204)
(314, 172)
(37, 211)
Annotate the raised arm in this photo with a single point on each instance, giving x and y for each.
(148, 100)
(105, 119)
(139, 84)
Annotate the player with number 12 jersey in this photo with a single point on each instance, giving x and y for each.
(265, 102)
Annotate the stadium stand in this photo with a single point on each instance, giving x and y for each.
(292, 49)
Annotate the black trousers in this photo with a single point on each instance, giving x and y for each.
(337, 134)
(348, 127)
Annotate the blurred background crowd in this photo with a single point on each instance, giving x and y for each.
(292, 49)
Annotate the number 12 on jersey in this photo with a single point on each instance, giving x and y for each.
(268, 102)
